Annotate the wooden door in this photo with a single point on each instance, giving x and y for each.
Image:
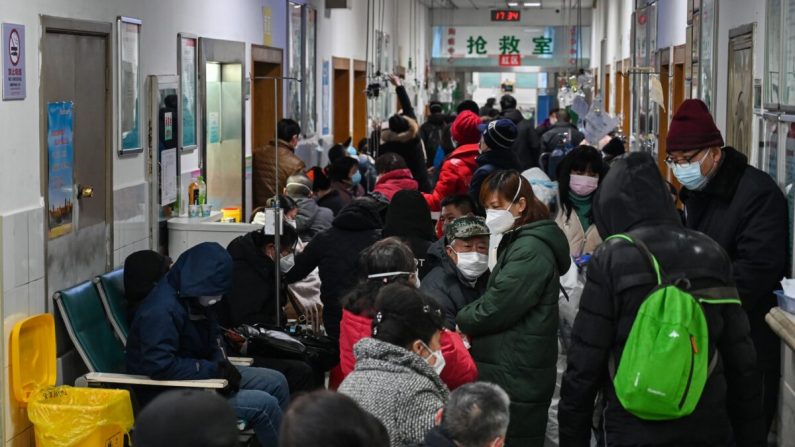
(342, 99)
(266, 62)
(606, 97)
(359, 101)
(625, 98)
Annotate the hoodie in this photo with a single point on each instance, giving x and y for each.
(172, 337)
(633, 199)
(312, 218)
(335, 252)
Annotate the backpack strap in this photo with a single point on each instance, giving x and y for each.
(655, 265)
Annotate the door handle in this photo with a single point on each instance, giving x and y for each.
(85, 191)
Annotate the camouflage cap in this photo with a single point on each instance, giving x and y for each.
(466, 227)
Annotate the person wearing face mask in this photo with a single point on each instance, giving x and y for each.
(345, 178)
(497, 138)
(175, 336)
(742, 209)
(578, 178)
(390, 261)
(514, 324)
(396, 378)
(252, 299)
(462, 273)
(311, 218)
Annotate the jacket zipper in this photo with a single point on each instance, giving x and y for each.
(693, 351)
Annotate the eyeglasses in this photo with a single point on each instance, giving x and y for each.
(687, 160)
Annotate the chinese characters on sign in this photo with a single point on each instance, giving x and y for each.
(509, 45)
(476, 45)
(543, 45)
(510, 60)
(13, 61)
(505, 15)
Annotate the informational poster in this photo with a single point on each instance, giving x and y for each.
(187, 72)
(168, 125)
(325, 101)
(213, 128)
(13, 61)
(129, 85)
(60, 160)
(168, 176)
(267, 25)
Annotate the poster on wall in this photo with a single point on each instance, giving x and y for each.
(186, 67)
(13, 61)
(60, 160)
(129, 42)
(325, 101)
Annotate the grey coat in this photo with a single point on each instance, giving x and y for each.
(312, 218)
(397, 387)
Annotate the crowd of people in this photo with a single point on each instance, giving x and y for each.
(513, 319)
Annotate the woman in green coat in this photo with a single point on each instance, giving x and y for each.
(513, 326)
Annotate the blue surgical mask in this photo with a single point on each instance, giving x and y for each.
(690, 176)
(357, 177)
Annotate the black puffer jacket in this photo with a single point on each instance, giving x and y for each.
(744, 210)
(252, 298)
(409, 219)
(633, 199)
(408, 143)
(448, 287)
(527, 147)
(432, 134)
(336, 252)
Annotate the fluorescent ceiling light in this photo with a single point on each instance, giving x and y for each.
(513, 4)
(532, 4)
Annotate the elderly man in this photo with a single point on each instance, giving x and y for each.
(462, 273)
(476, 415)
(742, 209)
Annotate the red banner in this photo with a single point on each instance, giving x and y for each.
(510, 60)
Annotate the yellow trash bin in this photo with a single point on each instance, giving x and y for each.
(62, 416)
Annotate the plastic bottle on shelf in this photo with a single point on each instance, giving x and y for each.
(202, 190)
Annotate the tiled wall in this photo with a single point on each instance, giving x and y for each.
(23, 294)
(131, 222)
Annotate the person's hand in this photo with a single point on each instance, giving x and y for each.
(394, 80)
(431, 170)
(228, 371)
(312, 310)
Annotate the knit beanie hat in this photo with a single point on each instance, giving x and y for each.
(465, 128)
(398, 124)
(692, 127)
(499, 134)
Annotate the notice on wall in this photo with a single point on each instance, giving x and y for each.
(168, 176)
(267, 25)
(60, 160)
(326, 116)
(13, 61)
(213, 128)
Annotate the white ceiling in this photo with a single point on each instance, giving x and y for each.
(491, 4)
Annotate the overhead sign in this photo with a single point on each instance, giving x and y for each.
(13, 61)
(505, 15)
(510, 60)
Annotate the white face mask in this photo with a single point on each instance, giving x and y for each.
(290, 222)
(207, 301)
(500, 221)
(438, 366)
(472, 265)
(287, 263)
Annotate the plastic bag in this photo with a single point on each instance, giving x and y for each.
(64, 416)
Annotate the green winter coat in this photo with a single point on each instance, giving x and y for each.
(513, 326)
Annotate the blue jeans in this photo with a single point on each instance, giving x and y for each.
(263, 396)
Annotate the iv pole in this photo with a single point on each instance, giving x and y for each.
(277, 224)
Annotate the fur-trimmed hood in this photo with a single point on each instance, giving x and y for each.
(388, 136)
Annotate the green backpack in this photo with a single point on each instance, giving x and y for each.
(664, 366)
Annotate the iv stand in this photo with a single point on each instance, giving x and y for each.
(277, 224)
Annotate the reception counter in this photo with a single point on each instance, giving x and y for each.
(186, 232)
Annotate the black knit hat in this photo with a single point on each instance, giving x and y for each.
(499, 134)
(409, 216)
(398, 124)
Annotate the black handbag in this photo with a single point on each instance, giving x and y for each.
(322, 351)
(268, 343)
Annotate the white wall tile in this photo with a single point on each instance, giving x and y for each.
(15, 308)
(37, 297)
(36, 244)
(15, 250)
(16, 417)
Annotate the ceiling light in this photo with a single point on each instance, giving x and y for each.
(513, 4)
(532, 4)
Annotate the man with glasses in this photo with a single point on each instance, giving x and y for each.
(742, 209)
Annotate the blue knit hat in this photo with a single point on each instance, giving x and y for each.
(499, 134)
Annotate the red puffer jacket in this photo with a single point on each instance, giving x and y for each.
(394, 181)
(459, 366)
(455, 175)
